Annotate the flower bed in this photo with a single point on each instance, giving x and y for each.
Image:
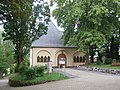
(116, 64)
(17, 80)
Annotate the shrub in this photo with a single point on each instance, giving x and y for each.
(17, 77)
(98, 62)
(23, 68)
(29, 74)
(39, 70)
(13, 68)
(108, 61)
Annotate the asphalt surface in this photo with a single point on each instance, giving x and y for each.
(81, 80)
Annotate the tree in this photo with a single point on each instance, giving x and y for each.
(114, 48)
(83, 20)
(24, 21)
(6, 55)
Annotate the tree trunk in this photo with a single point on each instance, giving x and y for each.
(91, 51)
(19, 54)
(87, 57)
(92, 59)
(114, 48)
(1, 74)
(99, 56)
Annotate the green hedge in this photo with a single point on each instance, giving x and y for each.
(15, 83)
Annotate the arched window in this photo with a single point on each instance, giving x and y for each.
(48, 58)
(74, 59)
(45, 59)
(80, 59)
(41, 58)
(38, 59)
(83, 58)
(77, 59)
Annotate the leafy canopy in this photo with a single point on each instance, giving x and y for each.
(87, 22)
(24, 21)
(6, 54)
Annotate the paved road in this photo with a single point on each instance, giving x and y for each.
(83, 81)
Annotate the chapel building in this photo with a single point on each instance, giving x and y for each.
(50, 47)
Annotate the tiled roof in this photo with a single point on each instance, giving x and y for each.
(51, 39)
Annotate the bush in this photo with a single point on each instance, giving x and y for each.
(98, 62)
(108, 61)
(13, 68)
(23, 68)
(39, 70)
(29, 74)
(25, 71)
(17, 77)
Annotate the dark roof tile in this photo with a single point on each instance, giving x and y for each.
(51, 39)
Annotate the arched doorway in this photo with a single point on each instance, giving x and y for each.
(61, 60)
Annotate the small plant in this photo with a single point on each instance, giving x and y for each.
(108, 61)
(29, 74)
(98, 62)
(13, 69)
(17, 77)
(39, 70)
(23, 68)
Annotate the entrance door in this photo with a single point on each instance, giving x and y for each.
(61, 60)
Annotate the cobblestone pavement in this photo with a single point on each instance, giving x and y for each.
(83, 81)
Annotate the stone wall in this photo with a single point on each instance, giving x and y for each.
(102, 70)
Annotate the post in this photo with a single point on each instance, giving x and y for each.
(59, 71)
(64, 70)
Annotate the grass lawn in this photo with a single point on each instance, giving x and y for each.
(105, 66)
(47, 77)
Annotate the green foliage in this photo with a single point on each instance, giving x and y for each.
(98, 62)
(88, 22)
(13, 68)
(24, 66)
(39, 70)
(17, 77)
(108, 61)
(92, 38)
(23, 24)
(17, 80)
(30, 74)
(25, 71)
(6, 56)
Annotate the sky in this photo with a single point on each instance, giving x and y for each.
(1, 28)
(52, 18)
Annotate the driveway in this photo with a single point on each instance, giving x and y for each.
(82, 81)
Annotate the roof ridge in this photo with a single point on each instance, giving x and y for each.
(55, 26)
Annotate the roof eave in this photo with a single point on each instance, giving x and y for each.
(53, 46)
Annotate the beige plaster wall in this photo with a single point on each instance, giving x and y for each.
(53, 53)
